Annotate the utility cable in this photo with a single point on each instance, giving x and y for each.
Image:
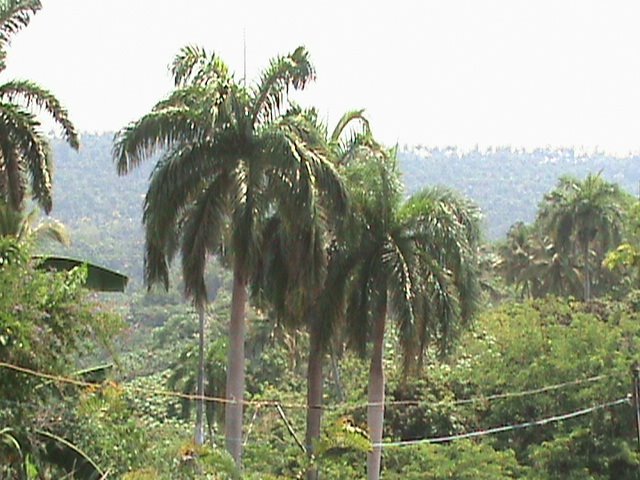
(264, 403)
(498, 396)
(505, 428)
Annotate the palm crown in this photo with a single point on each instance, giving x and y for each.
(25, 158)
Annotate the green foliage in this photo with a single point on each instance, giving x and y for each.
(579, 222)
(463, 460)
(342, 436)
(46, 320)
(26, 162)
(506, 182)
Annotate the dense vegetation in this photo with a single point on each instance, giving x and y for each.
(507, 184)
(340, 322)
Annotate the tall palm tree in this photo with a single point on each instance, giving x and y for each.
(305, 269)
(584, 217)
(25, 157)
(416, 264)
(231, 155)
(445, 231)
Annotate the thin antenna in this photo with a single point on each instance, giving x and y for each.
(244, 57)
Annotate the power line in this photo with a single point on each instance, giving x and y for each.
(498, 396)
(505, 428)
(222, 400)
(434, 440)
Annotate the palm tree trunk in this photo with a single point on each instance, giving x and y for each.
(235, 367)
(375, 410)
(199, 433)
(587, 274)
(315, 381)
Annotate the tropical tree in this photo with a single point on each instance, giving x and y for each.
(531, 262)
(515, 257)
(25, 157)
(304, 268)
(232, 154)
(416, 264)
(584, 217)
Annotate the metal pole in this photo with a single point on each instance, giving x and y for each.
(244, 57)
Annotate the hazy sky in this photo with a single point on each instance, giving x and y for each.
(448, 72)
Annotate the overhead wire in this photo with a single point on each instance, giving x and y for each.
(222, 400)
(504, 428)
(387, 444)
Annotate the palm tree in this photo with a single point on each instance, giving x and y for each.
(583, 216)
(531, 262)
(445, 230)
(416, 264)
(305, 269)
(25, 157)
(232, 154)
(515, 257)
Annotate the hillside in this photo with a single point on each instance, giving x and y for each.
(508, 183)
(104, 211)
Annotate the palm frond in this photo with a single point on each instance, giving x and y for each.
(176, 181)
(40, 167)
(153, 132)
(11, 220)
(293, 70)
(250, 207)
(202, 234)
(32, 94)
(332, 302)
(156, 263)
(345, 121)
(194, 66)
(270, 283)
(52, 230)
(12, 171)
(14, 16)
(20, 132)
(397, 260)
(362, 293)
(292, 146)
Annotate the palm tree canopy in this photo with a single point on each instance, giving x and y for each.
(586, 211)
(305, 266)
(422, 252)
(230, 155)
(25, 157)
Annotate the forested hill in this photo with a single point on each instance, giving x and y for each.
(104, 211)
(508, 183)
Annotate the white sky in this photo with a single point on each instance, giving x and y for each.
(448, 72)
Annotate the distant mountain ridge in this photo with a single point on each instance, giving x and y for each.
(104, 211)
(509, 183)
